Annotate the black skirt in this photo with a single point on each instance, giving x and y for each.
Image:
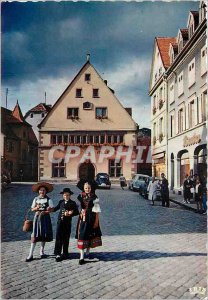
(42, 228)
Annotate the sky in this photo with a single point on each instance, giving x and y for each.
(44, 45)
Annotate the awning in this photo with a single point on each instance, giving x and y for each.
(158, 155)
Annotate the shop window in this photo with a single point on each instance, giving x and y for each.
(87, 77)
(78, 93)
(115, 169)
(101, 112)
(95, 93)
(184, 167)
(58, 169)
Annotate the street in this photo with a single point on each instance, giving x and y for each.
(148, 251)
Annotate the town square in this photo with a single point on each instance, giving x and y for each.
(104, 150)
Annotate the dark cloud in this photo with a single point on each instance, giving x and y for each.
(49, 40)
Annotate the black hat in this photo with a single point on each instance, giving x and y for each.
(67, 190)
(82, 182)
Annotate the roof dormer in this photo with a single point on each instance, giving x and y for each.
(173, 51)
(193, 21)
(202, 11)
(182, 38)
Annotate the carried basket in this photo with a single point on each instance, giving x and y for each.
(28, 224)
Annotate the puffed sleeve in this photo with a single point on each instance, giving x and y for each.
(34, 203)
(50, 203)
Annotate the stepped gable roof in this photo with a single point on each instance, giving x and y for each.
(163, 45)
(195, 14)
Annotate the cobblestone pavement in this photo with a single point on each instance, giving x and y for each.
(148, 252)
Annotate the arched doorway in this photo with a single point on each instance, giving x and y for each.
(86, 171)
(172, 171)
(201, 160)
(183, 157)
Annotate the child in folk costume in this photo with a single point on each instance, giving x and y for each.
(42, 227)
(88, 229)
(68, 209)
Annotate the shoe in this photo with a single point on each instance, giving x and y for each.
(43, 256)
(58, 258)
(188, 202)
(81, 262)
(29, 259)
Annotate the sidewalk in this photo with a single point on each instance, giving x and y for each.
(178, 199)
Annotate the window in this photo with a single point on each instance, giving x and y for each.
(172, 125)
(109, 139)
(84, 139)
(155, 101)
(191, 73)
(203, 11)
(87, 77)
(121, 138)
(78, 93)
(115, 169)
(191, 30)
(65, 138)
(87, 105)
(97, 139)
(203, 60)
(115, 139)
(95, 93)
(172, 93)
(180, 120)
(191, 114)
(161, 123)
(180, 84)
(161, 93)
(154, 130)
(58, 169)
(204, 105)
(91, 138)
(10, 146)
(72, 112)
(102, 139)
(101, 112)
(31, 115)
(180, 45)
(72, 139)
(42, 115)
(59, 139)
(53, 139)
(78, 139)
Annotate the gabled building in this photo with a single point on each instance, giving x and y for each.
(185, 112)
(35, 116)
(87, 113)
(20, 145)
(158, 93)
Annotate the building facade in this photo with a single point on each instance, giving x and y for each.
(35, 116)
(20, 146)
(144, 166)
(186, 111)
(89, 117)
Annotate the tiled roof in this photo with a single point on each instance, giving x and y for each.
(163, 45)
(17, 113)
(41, 107)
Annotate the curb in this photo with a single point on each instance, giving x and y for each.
(183, 204)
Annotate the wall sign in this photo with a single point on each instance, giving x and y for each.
(188, 141)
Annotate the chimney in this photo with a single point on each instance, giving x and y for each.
(88, 57)
(106, 82)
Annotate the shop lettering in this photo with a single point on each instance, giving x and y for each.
(188, 141)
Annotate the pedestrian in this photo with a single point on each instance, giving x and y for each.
(164, 191)
(204, 194)
(198, 195)
(153, 190)
(122, 180)
(42, 227)
(187, 186)
(88, 231)
(67, 209)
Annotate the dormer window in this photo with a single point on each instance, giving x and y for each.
(87, 77)
(31, 115)
(42, 115)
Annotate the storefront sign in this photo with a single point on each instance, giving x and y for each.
(188, 141)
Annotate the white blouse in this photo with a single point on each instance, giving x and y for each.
(42, 202)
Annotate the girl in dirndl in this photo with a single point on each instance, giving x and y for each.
(88, 231)
(42, 227)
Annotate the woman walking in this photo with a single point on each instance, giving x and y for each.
(88, 231)
(42, 228)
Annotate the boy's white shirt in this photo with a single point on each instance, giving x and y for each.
(96, 207)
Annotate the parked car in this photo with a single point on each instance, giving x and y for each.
(103, 180)
(136, 181)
